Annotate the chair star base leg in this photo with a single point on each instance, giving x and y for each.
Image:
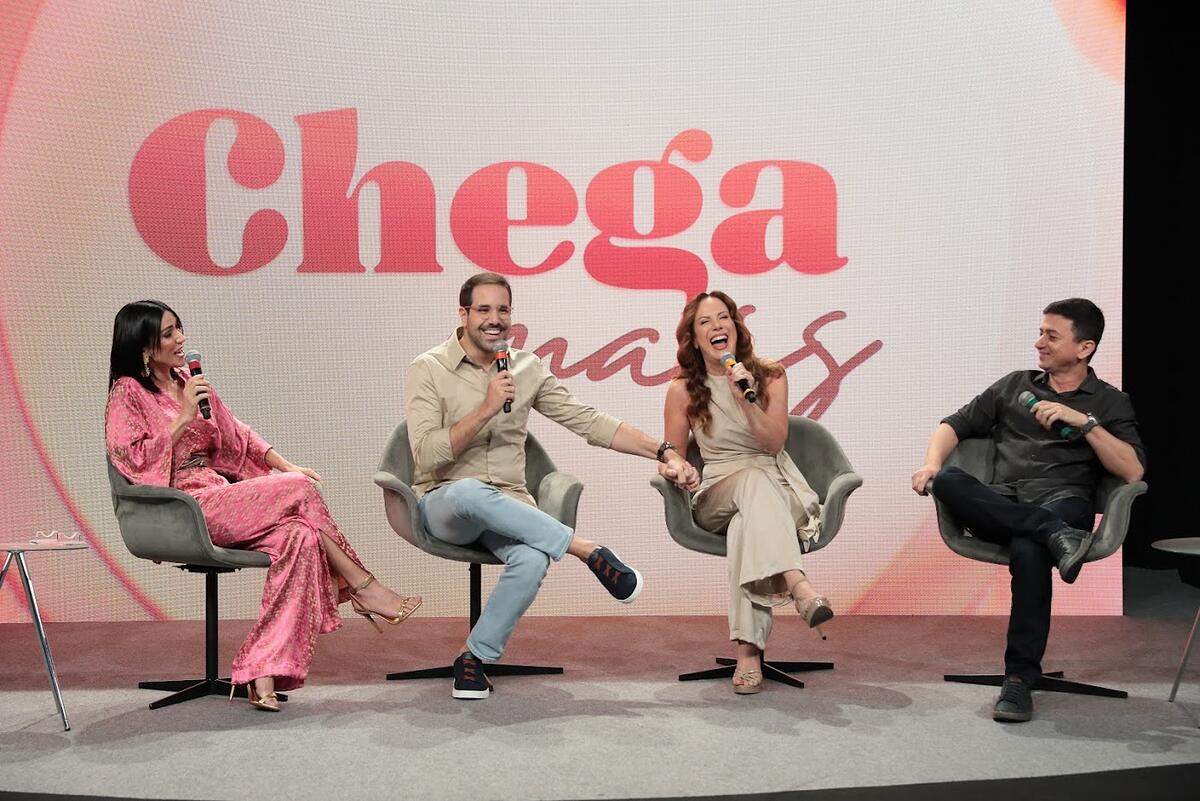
(1051, 682)
(190, 689)
(772, 669)
(493, 669)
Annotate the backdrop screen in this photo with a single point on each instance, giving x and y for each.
(891, 191)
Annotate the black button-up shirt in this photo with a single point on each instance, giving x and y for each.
(1035, 465)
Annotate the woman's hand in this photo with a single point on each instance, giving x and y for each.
(738, 372)
(194, 390)
(307, 471)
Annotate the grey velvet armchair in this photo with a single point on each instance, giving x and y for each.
(828, 471)
(556, 493)
(166, 525)
(1114, 501)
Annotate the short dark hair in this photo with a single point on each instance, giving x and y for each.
(468, 288)
(1087, 321)
(135, 330)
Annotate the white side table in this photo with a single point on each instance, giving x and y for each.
(16, 553)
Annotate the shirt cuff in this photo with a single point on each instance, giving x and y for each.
(603, 430)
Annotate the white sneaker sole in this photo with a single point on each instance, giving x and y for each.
(637, 590)
(469, 695)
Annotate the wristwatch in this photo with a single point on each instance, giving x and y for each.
(1091, 423)
(662, 451)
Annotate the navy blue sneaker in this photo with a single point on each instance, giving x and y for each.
(622, 582)
(469, 679)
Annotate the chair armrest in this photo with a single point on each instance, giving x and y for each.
(558, 496)
(404, 516)
(406, 521)
(166, 525)
(1115, 522)
(677, 503)
(834, 511)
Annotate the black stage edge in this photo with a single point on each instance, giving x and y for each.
(1160, 176)
(1165, 783)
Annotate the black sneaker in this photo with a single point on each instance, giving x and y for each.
(1015, 704)
(1068, 547)
(469, 679)
(622, 582)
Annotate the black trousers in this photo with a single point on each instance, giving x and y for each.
(1024, 528)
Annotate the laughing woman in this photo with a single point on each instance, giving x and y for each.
(155, 436)
(750, 487)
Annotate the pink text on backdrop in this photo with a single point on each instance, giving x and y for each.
(612, 358)
(168, 201)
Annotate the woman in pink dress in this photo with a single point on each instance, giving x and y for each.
(156, 435)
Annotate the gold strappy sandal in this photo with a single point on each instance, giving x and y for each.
(400, 616)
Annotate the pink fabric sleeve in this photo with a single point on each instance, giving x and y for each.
(138, 445)
(240, 453)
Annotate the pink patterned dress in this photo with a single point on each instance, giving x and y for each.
(222, 463)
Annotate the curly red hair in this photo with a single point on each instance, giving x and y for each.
(691, 363)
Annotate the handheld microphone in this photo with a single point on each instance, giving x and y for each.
(192, 357)
(1028, 399)
(727, 361)
(500, 354)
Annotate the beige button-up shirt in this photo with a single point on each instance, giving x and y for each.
(444, 386)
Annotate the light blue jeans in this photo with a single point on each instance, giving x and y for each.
(523, 537)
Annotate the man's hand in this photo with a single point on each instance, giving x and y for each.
(500, 389)
(920, 479)
(680, 472)
(1048, 413)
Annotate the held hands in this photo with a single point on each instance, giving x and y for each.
(680, 472)
(1048, 413)
(500, 389)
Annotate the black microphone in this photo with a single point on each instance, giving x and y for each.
(192, 357)
(1028, 399)
(500, 353)
(727, 361)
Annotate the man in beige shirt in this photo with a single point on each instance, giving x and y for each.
(469, 454)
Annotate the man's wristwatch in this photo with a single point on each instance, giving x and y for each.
(662, 451)
(1091, 423)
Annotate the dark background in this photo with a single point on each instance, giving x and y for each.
(1159, 313)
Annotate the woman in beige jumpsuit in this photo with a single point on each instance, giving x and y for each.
(750, 487)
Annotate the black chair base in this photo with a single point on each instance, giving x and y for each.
(190, 689)
(494, 669)
(1051, 682)
(475, 586)
(771, 669)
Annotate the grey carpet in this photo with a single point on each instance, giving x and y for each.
(615, 725)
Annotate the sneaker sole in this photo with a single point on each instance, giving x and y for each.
(637, 590)
(469, 695)
(1012, 717)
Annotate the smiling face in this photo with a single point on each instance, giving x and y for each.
(168, 352)
(1057, 348)
(486, 321)
(714, 331)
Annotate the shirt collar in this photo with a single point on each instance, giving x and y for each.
(1090, 383)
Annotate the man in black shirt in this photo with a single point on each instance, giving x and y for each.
(1055, 430)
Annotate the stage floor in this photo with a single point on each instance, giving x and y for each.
(616, 724)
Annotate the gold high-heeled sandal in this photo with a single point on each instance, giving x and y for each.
(814, 611)
(751, 682)
(254, 699)
(400, 616)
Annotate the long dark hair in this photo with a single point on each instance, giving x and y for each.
(691, 363)
(136, 329)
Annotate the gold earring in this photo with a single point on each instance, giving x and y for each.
(145, 365)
